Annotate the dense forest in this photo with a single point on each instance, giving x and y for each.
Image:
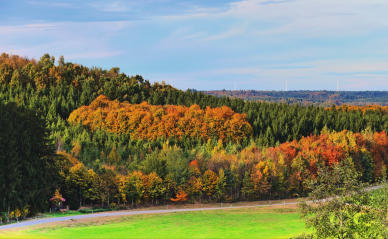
(150, 122)
(115, 140)
(305, 97)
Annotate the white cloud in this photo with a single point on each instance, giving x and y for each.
(74, 40)
(249, 40)
(27, 28)
(304, 17)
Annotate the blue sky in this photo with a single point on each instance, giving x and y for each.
(212, 44)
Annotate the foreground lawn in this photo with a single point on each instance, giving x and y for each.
(232, 223)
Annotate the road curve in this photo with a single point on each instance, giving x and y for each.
(129, 212)
(126, 213)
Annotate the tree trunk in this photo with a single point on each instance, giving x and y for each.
(80, 200)
(9, 209)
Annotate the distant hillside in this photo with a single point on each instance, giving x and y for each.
(309, 97)
(123, 141)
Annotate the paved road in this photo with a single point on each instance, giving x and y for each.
(125, 213)
(128, 212)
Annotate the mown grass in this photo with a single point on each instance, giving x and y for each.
(232, 223)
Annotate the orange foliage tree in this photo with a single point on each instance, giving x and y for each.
(253, 173)
(181, 196)
(145, 121)
(363, 108)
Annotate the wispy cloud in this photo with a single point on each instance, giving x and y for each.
(27, 28)
(115, 6)
(204, 45)
(75, 40)
(94, 54)
(314, 75)
(268, 2)
(53, 3)
(304, 17)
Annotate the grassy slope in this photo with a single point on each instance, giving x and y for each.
(233, 223)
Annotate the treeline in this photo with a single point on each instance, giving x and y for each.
(213, 174)
(322, 97)
(364, 108)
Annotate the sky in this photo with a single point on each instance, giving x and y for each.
(211, 44)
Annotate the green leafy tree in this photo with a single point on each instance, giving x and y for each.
(27, 176)
(341, 207)
(221, 185)
(248, 187)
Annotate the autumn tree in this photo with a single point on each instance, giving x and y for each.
(145, 121)
(133, 187)
(181, 196)
(210, 180)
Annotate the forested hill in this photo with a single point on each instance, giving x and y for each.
(323, 98)
(121, 140)
(55, 90)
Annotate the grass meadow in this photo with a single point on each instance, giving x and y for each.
(230, 223)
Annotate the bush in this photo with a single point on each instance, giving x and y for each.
(94, 210)
(74, 204)
(4, 217)
(303, 236)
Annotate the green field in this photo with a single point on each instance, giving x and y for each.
(232, 223)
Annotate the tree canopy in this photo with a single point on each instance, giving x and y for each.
(121, 140)
(27, 173)
(145, 121)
